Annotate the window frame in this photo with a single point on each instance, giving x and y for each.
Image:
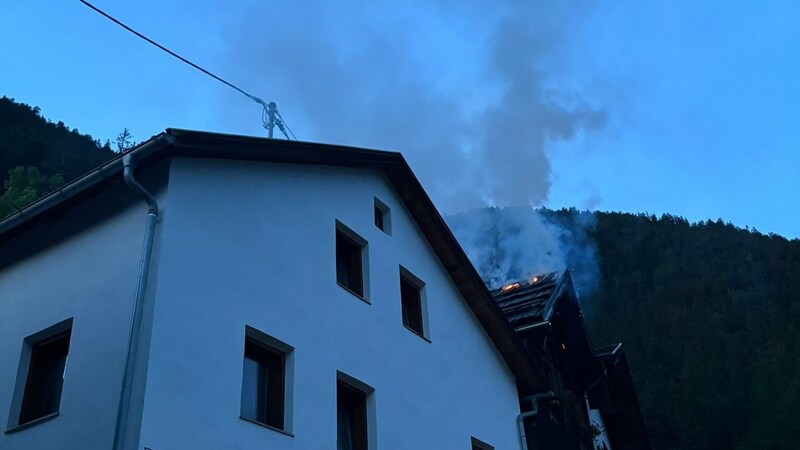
(359, 246)
(406, 277)
(382, 213)
(31, 348)
(366, 395)
(272, 347)
(478, 444)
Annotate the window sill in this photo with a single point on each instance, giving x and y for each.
(417, 333)
(33, 422)
(270, 427)
(360, 297)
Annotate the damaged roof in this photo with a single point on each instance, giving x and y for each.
(530, 301)
(196, 144)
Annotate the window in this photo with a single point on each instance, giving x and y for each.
(383, 218)
(480, 445)
(264, 380)
(351, 418)
(45, 376)
(352, 413)
(379, 218)
(412, 302)
(350, 260)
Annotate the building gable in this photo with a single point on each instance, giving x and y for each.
(192, 144)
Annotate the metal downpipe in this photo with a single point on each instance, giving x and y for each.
(120, 428)
(533, 412)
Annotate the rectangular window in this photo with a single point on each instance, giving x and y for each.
(263, 384)
(350, 260)
(351, 417)
(383, 218)
(412, 307)
(412, 302)
(45, 378)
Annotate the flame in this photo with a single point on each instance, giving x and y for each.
(509, 287)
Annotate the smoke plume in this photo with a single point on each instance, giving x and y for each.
(469, 91)
(513, 243)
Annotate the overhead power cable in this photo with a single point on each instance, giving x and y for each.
(283, 122)
(270, 117)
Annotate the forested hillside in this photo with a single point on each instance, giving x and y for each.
(41, 153)
(709, 313)
(710, 317)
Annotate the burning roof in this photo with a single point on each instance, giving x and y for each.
(529, 301)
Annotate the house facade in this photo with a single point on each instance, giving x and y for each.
(287, 295)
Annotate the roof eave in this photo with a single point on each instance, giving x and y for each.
(80, 185)
(469, 282)
(564, 284)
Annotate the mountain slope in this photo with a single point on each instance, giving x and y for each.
(27, 139)
(710, 316)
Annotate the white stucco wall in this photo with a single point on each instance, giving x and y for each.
(253, 244)
(89, 274)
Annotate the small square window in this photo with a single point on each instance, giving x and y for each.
(350, 260)
(412, 302)
(263, 383)
(383, 218)
(353, 414)
(480, 445)
(45, 376)
(378, 218)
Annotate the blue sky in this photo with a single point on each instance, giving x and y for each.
(691, 108)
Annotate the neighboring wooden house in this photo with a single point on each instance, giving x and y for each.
(590, 400)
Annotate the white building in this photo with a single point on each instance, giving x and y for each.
(297, 296)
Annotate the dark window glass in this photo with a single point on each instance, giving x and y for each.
(379, 218)
(263, 384)
(42, 395)
(480, 445)
(348, 264)
(411, 304)
(383, 217)
(351, 418)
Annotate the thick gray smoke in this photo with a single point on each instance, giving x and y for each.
(469, 91)
(509, 244)
(513, 243)
(514, 133)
